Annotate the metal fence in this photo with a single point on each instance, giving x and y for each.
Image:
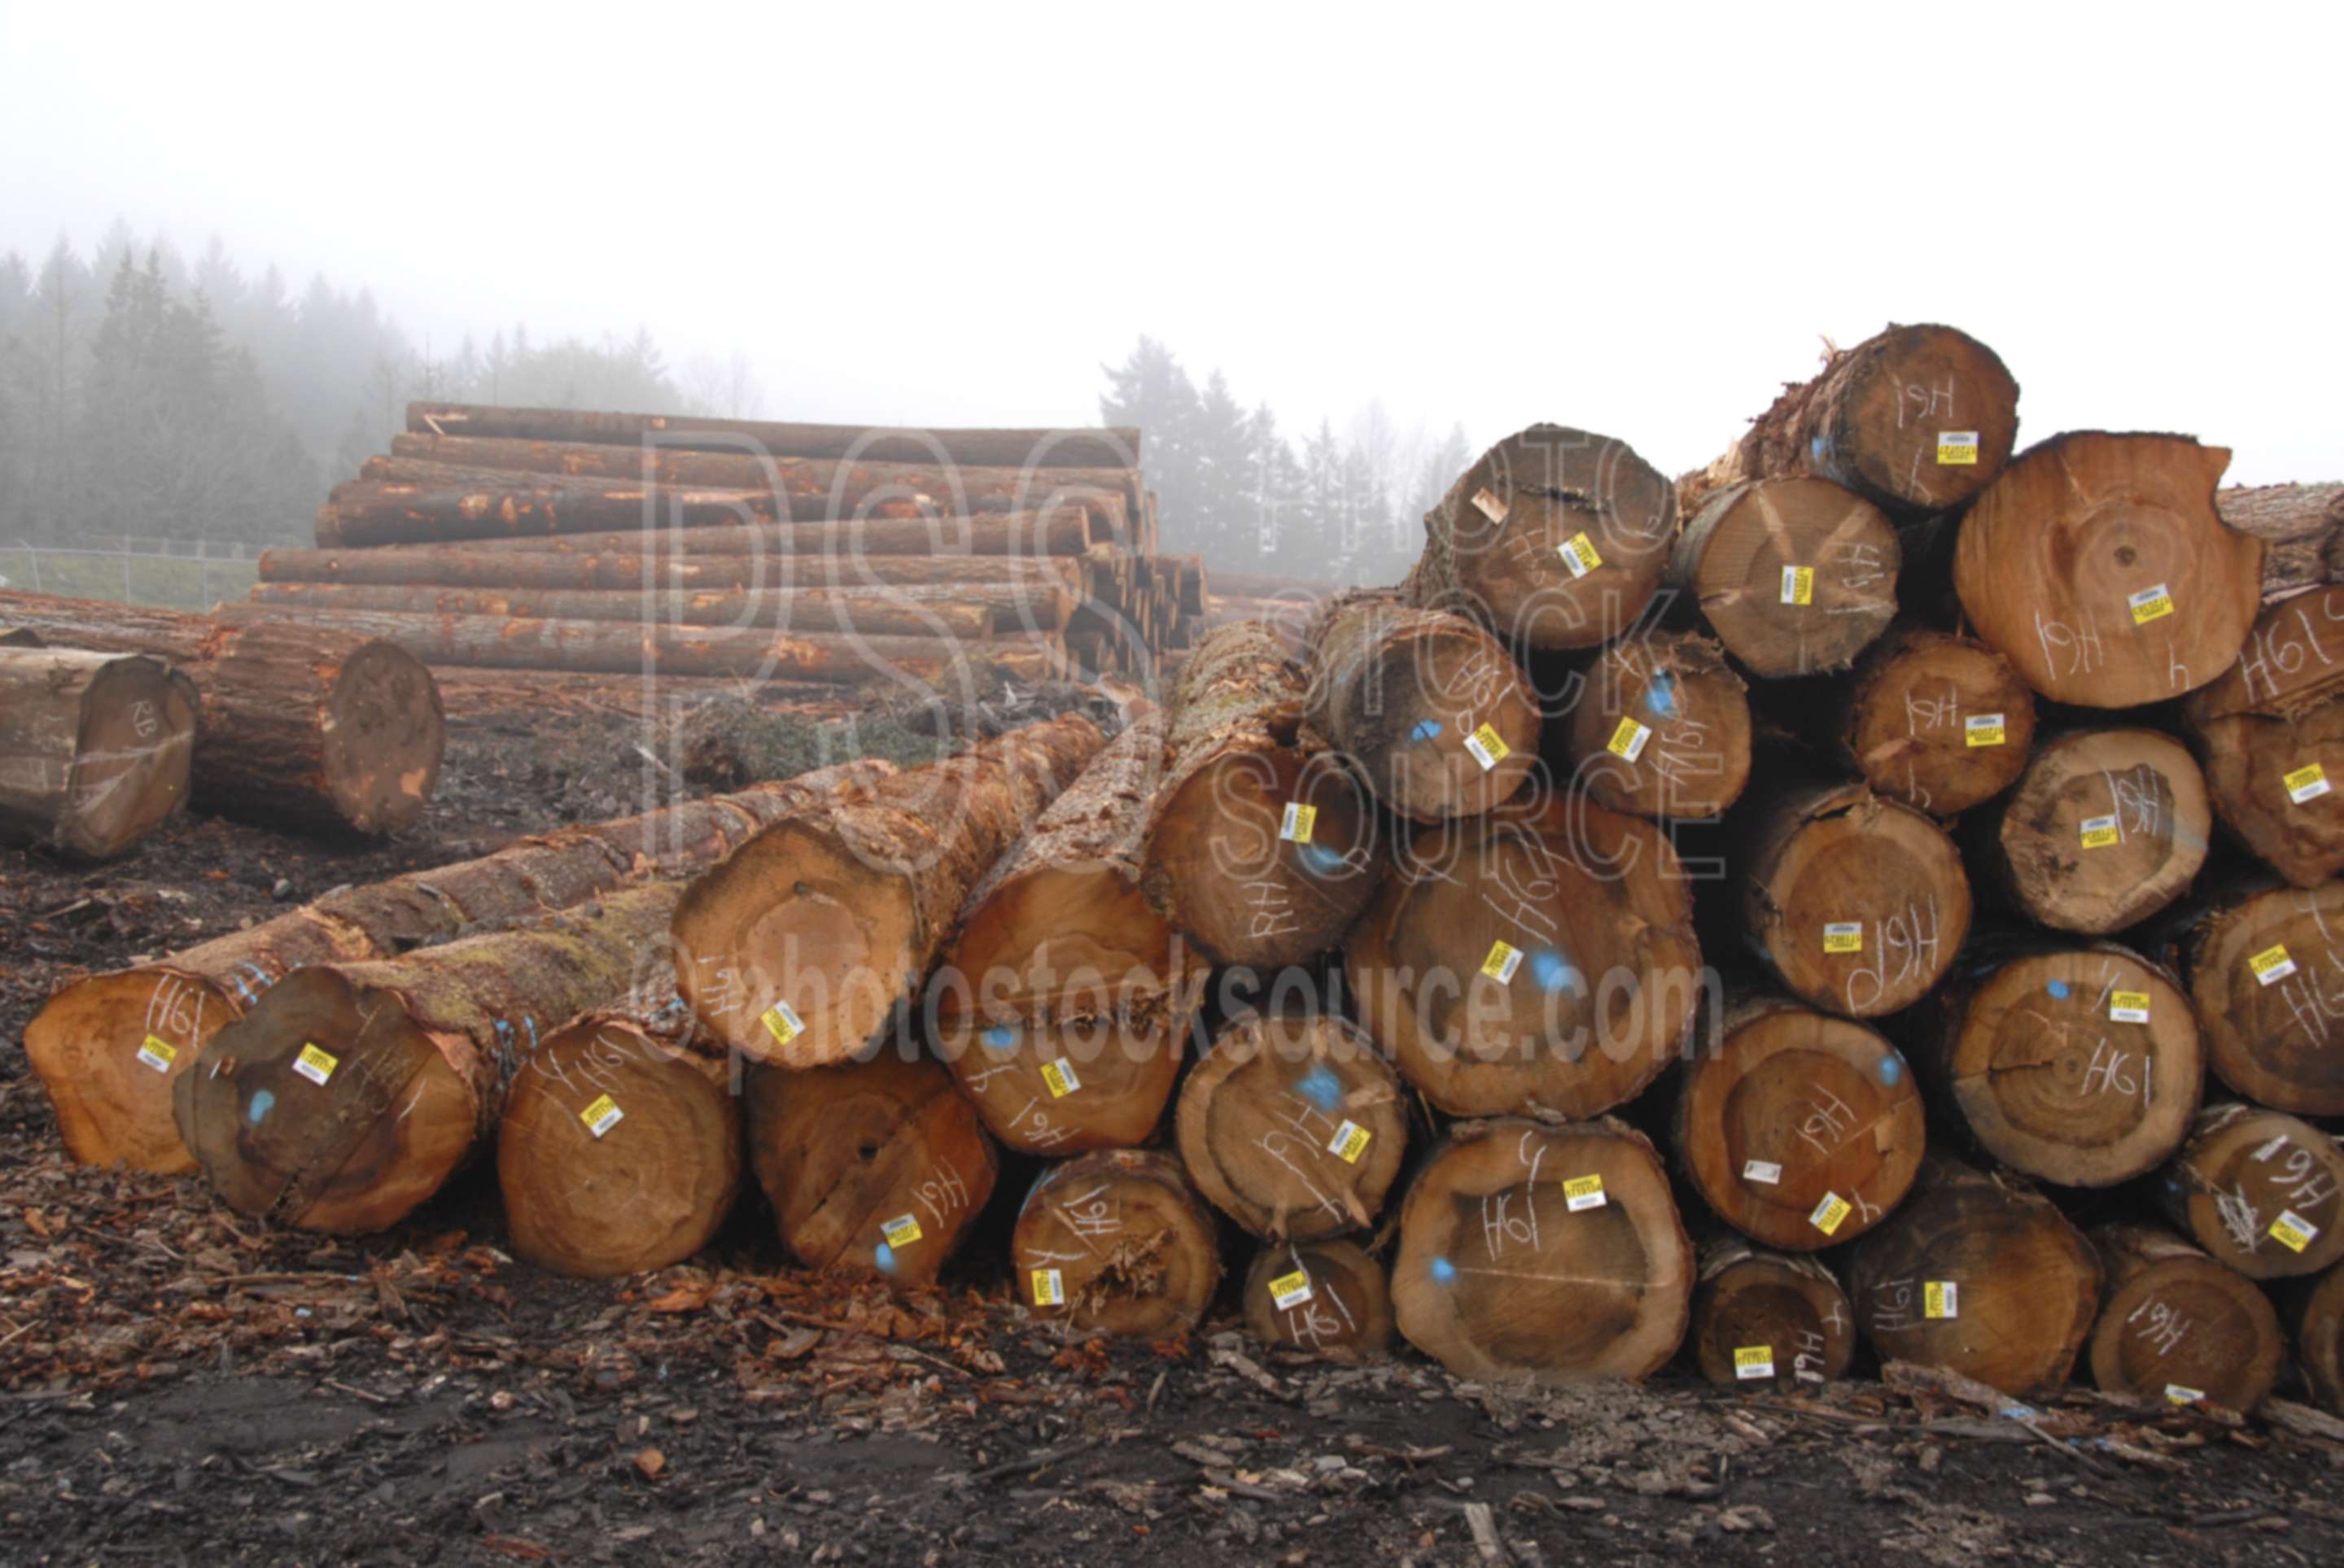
(178, 574)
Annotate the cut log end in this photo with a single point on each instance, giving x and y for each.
(1325, 1298)
(100, 747)
(384, 738)
(2179, 1328)
(2106, 827)
(1906, 402)
(1117, 1243)
(1796, 576)
(1768, 1319)
(2259, 1191)
(111, 1048)
(1071, 1085)
(2258, 971)
(1938, 722)
(1661, 728)
(2316, 1319)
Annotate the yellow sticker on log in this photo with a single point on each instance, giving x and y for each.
(1058, 1077)
(2271, 965)
(1584, 1192)
(1488, 747)
(1754, 1360)
(1492, 505)
(901, 1230)
(2099, 832)
(1503, 960)
(2129, 1007)
(1050, 1288)
(316, 1065)
(1798, 585)
(1579, 555)
(1290, 1290)
(1350, 1142)
(1627, 741)
(2306, 784)
(2293, 1231)
(1844, 936)
(2180, 1393)
(2150, 604)
(158, 1053)
(782, 1022)
(1983, 729)
(1940, 1299)
(601, 1116)
(1294, 825)
(1830, 1214)
(1957, 448)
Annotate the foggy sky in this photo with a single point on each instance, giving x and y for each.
(1640, 226)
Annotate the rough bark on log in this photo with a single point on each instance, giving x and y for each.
(2267, 974)
(2270, 737)
(1052, 533)
(2301, 527)
(1777, 1320)
(973, 611)
(2314, 1319)
(2177, 1327)
(1661, 727)
(1117, 1243)
(95, 749)
(1325, 1298)
(2106, 827)
(1937, 722)
(634, 571)
(1553, 1252)
(361, 513)
(1794, 576)
(2258, 1191)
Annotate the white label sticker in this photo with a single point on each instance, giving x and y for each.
(2178, 1393)
(1492, 505)
(1765, 1172)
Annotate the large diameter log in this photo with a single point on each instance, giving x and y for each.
(1794, 576)
(1258, 846)
(1661, 727)
(1326, 1297)
(1117, 1243)
(632, 571)
(2098, 565)
(1800, 1128)
(973, 612)
(1552, 1253)
(1857, 904)
(1539, 958)
(2314, 1319)
(872, 1166)
(360, 514)
(1071, 1085)
(1429, 708)
(1772, 1320)
(95, 749)
(102, 626)
(1293, 1124)
(805, 941)
(2270, 736)
(2258, 1189)
(2178, 1328)
(1981, 1275)
(2106, 827)
(1918, 419)
(1053, 533)
(1940, 722)
(352, 1091)
(2267, 974)
(620, 1147)
(2301, 527)
(1554, 538)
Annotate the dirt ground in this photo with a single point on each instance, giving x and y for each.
(180, 1385)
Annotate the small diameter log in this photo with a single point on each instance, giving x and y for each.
(2106, 827)
(1259, 847)
(1661, 727)
(95, 749)
(2098, 566)
(1554, 538)
(973, 611)
(1918, 419)
(352, 1091)
(875, 1165)
(1324, 1298)
(1553, 1252)
(2270, 736)
(1293, 1125)
(1939, 722)
(1858, 904)
(620, 1147)
(1069, 1086)
(2301, 527)
(2178, 1328)
(2315, 1318)
(1981, 1275)
(1540, 959)
(1430, 708)
(1799, 1129)
(802, 945)
(360, 514)
(2266, 971)
(830, 546)
(1117, 1243)
(634, 572)
(2258, 1189)
(2078, 1065)
(1794, 576)
(1773, 1320)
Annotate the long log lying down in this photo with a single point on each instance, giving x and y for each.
(109, 1048)
(2267, 973)
(2270, 736)
(457, 565)
(1057, 531)
(1799, 1129)
(1538, 960)
(95, 749)
(1114, 445)
(1554, 538)
(2259, 1190)
(1937, 722)
(1776, 1319)
(1117, 1243)
(874, 1165)
(1916, 420)
(1261, 847)
(360, 514)
(973, 612)
(1794, 576)
(1661, 727)
(352, 1091)
(2106, 827)
(1981, 1275)
(1324, 1298)
(804, 943)
(1429, 708)
(2177, 1327)
(2314, 1309)
(2301, 527)
(620, 1147)
(2098, 565)
(1553, 1252)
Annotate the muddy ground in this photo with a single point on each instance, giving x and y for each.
(180, 1385)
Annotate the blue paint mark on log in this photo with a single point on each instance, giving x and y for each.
(2058, 988)
(263, 1103)
(1000, 1037)
(1554, 973)
(1891, 1069)
(1426, 729)
(1321, 1088)
(1661, 696)
(884, 1257)
(1318, 858)
(1443, 1270)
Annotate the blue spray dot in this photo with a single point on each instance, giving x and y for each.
(263, 1102)
(1661, 696)
(1321, 860)
(1426, 729)
(1555, 972)
(1891, 1069)
(1000, 1037)
(1443, 1270)
(2058, 988)
(884, 1257)
(1321, 1088)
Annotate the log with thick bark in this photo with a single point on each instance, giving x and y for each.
(1429, 707)
(2078, 1064)
(109, 1048)
(1071, 1085)
(1800, 1128)
(2106, 827)
(1117, 1243)
(360, 514)
(103, 626)
(1917, 418)
(1661, 727)
(1053, 533)
(1257, 845)
(2177, 1327)
(971, 611)
(2314, 1311)
(2098, 565)
(1937, 722)
(1981, 1275)
(805, 941)
(1293, 1124)
(2301, 527)
(95, 749)
(1554, 538)
(876, 1164)
(1858, 904)
(2258, 1189)
(1325, 1298)
(1776, 1319)
(1796, 576)
(620, 1147)
(634, 571)
(1540, 959)
(2266, 971)
(2270, 737)
(352, 1090)
(1553, 1252)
